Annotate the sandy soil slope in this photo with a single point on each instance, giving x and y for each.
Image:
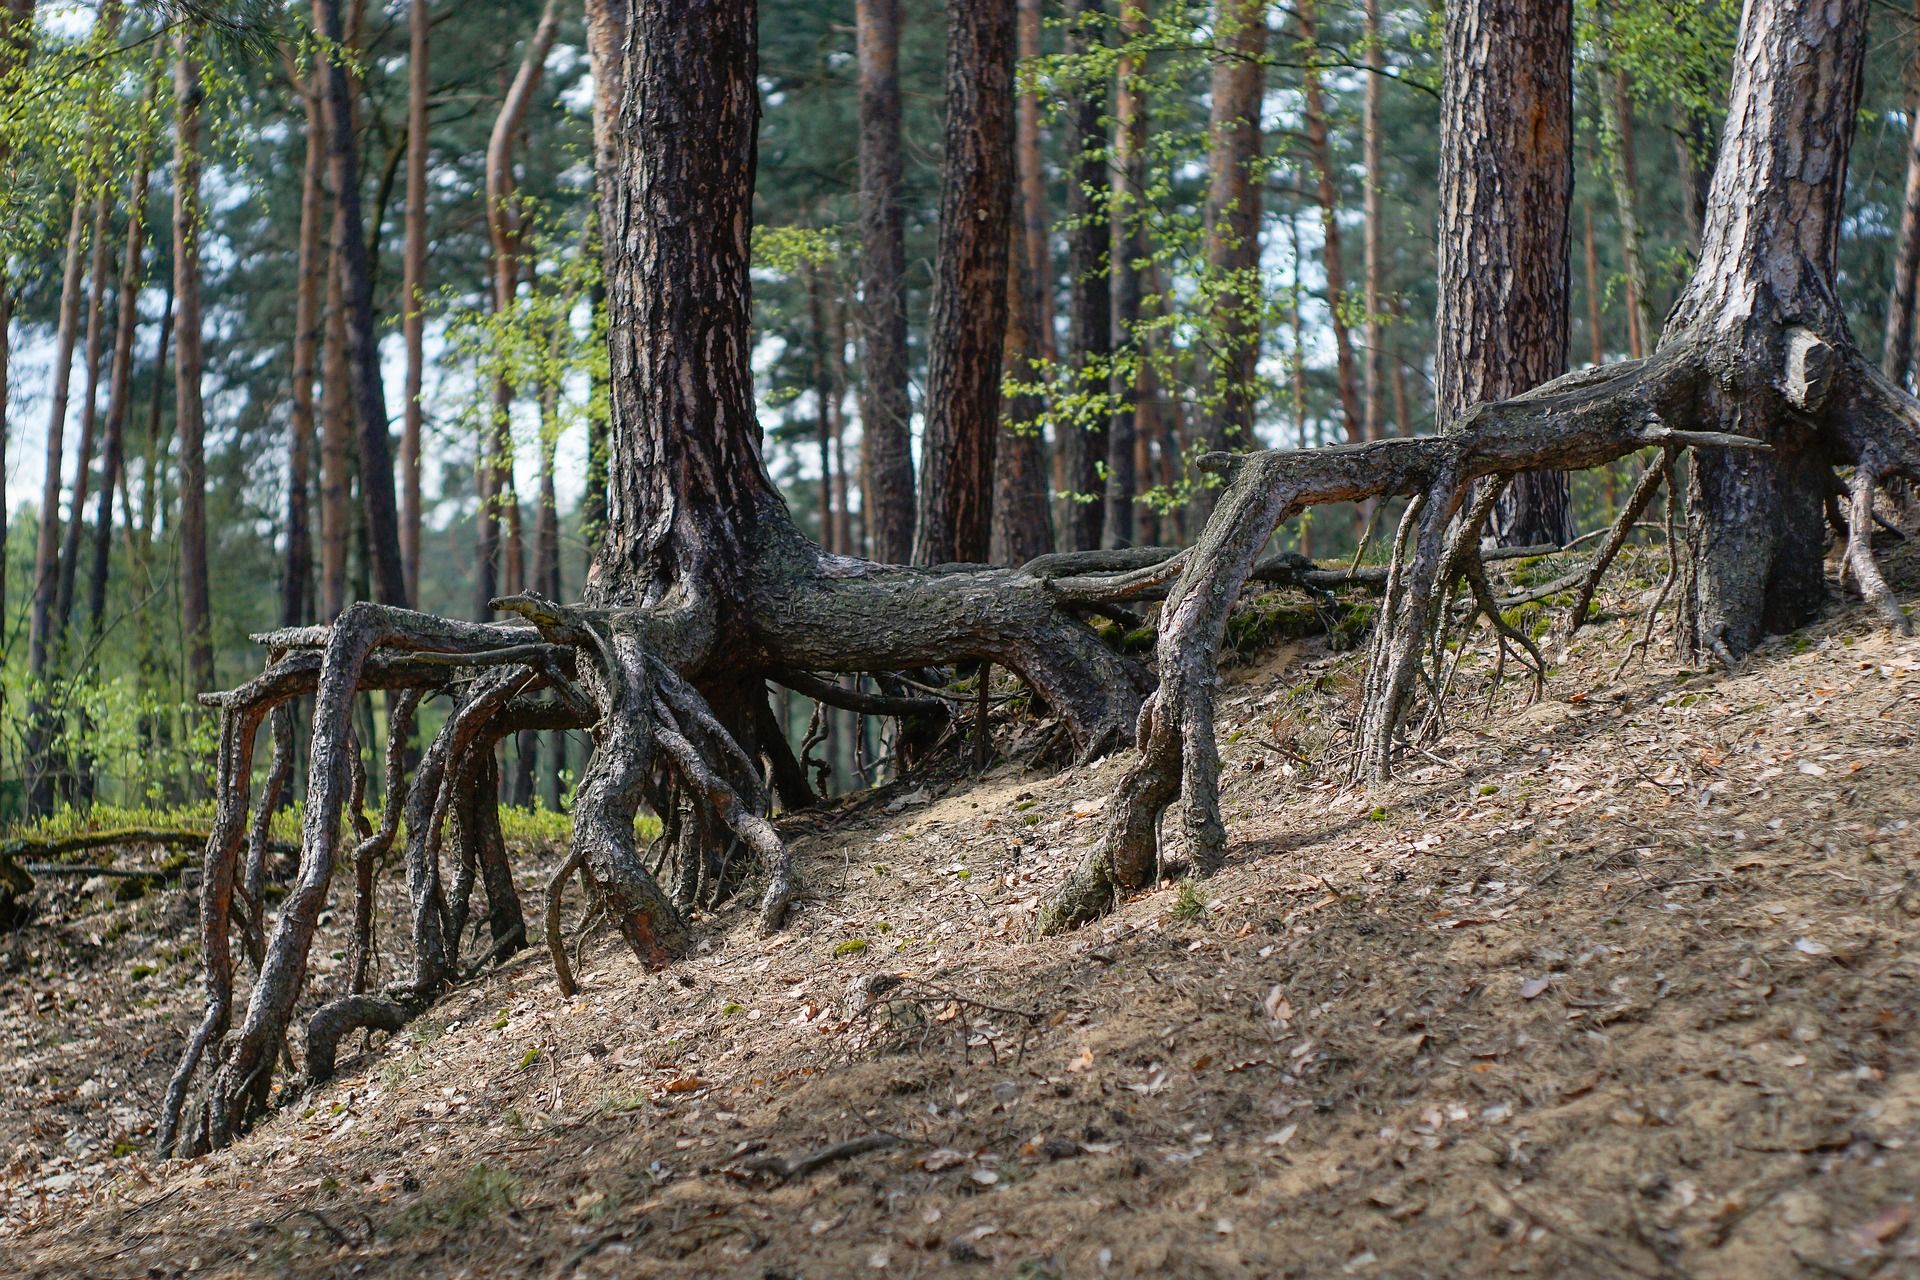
(1618, 982)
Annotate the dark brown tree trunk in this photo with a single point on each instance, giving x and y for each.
(1128, 211)
(336, 446)
(885, 410)
(356, 292)
(1083, 438)
(1233, 225)
(413, 289)
(969, 321)
(1506, 179)
(196, 622)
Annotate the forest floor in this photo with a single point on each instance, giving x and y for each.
(1618, 982)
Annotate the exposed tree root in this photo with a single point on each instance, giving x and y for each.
(1576, 422)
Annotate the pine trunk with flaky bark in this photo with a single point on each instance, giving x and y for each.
(1896, 356)
(1506, 179)
(1233, 225)
(1083, 441)
(196, 622)
(885, 410)
(356, 295)
(968, 325)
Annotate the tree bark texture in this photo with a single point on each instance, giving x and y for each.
(1127, 212)
(968, 325)
(1506, 180)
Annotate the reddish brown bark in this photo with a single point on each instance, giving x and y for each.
(969, 321)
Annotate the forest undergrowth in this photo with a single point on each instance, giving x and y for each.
(1616, 981)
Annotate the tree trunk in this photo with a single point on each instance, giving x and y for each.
(46, 555)
(505, 234)
(703, 588)
(885, 410)
(296, 584)
(196, 626)
(1616, 147)
(1374, 377)
(1896, 358)
(1021, 529)
(1506, 179)
(336, 443)
(413, 289)
(1773, 231)
(120, 386)
(356, 291)
(968, 325)
(16, 42)
(97, 270)
(1128, 213)
(1332, 255)
(1233, 226)
(1082, 437)
(1035, 234)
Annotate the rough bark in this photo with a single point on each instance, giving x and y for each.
(356, 291)
(16, 42)
(885, 410)
(1506, 180)
(969, 320)
(1082, 439)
